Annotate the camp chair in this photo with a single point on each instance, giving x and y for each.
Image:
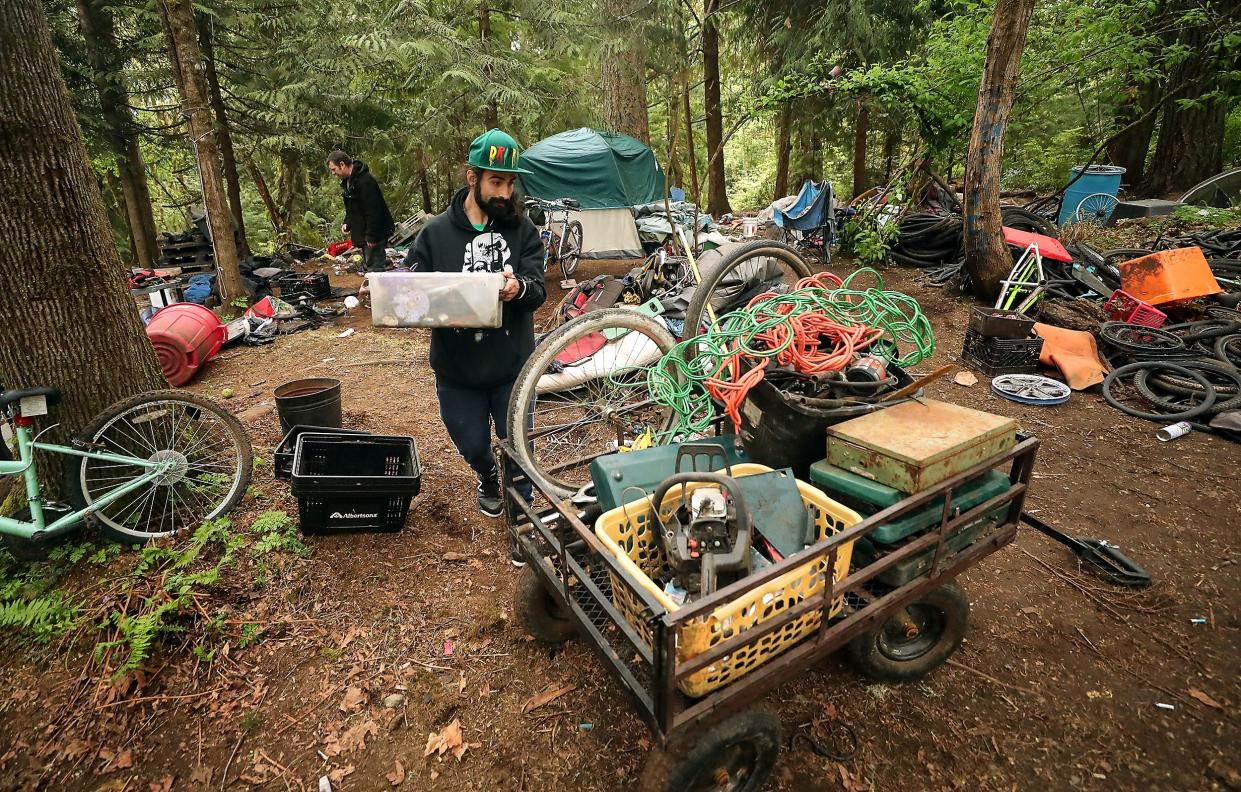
(810, 224)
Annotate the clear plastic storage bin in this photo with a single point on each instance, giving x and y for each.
(435, 299)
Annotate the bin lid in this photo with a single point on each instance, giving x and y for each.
(922, 432)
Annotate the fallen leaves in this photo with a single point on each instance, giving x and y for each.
(163, 785)
(397, 776)
(354, 738)
(966, 379)
(447, 740)
(354, 698)
(548, 695)
(1197, 694)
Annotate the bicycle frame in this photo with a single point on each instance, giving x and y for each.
(25, 465)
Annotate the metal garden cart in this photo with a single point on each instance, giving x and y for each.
(573, 585)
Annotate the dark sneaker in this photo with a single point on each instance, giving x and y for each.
(514, 553)
(489, 501)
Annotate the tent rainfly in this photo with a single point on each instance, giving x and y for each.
(606, 173)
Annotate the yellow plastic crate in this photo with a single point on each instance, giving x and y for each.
(626, 532)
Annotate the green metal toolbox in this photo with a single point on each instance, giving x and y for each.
(867, 497)
(643, 470)
(916, 445)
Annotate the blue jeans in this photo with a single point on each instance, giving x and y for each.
(468, 414)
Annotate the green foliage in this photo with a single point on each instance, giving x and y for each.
(277, 533)
(42, 617)
(1208, 216)
(869, 242)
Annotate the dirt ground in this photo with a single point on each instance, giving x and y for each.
(1064, 682)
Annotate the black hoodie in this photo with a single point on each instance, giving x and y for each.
(450, 243)
(366, 212)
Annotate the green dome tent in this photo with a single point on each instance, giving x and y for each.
(606, 173)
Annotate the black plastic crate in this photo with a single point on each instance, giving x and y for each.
(354, 482)
(997, 323)
(994, 356)
(282, 458)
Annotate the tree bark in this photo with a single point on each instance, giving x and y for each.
(676, 175)
(784, 147)
(623, 70)
(1130, 149)
(177, 17)
(987, 260)
(491, 111)
(98, 33)
(278, 221)
(69, 321)
(1190, 147)
(113, 193)
(291, 193)
(224, 134)
(860, 129)
(717, 189)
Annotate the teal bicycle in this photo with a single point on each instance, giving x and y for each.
(148, 466)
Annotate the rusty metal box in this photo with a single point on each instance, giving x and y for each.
(918, 444)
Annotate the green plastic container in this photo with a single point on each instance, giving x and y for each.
(867, 497)
(865, 551)
(640, 472)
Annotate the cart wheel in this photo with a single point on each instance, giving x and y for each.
(916, 640)
(736, 755)
(539, 612)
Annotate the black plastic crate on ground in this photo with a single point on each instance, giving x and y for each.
(282, 458)
(354, 482)
(995, 356)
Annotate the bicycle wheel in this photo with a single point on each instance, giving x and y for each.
(568, 407)
(571, 248)
(211, 465)
(741, 274)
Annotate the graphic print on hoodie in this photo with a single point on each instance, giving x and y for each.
(483, 358)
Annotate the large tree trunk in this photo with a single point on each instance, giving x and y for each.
(1130, 149)
(224, 134)
(860, 128)
(95, 22)
(1191, 139)
(987, 260)
(676, 176)
(68, 319)
(717, 190)
(491, 111)
(623, 70)
(177, 17)
(784, 129)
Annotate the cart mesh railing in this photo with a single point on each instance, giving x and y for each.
(572, 563)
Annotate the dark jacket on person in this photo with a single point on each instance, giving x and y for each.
(450, 243)
(366, 212)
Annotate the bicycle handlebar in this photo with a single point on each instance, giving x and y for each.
(562, 203)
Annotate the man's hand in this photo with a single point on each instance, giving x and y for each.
(511, 287)
(344, 228)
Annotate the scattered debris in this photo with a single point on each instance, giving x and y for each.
(393, 700)
(965, 378)
(1197, 694)
(547, 696)
(446, 740)
(397, 776)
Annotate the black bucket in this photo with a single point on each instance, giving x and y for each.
(313, 402)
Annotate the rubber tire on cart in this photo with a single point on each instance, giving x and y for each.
(74, 482)
(885, 654)
(762, 248)
(737, 754)
(526, 385)
(538, 612)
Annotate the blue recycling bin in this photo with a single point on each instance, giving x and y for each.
(1098, 179)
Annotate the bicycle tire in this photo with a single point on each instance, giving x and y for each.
(572, 244)
(751, 250)
(77, 489)
(1023, 220)
(524, 394)
(1224, 350)
(1144, 380)
(1133, 368)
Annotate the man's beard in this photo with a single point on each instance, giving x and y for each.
(502, 210)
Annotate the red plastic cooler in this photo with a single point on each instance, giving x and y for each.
(185, 337)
